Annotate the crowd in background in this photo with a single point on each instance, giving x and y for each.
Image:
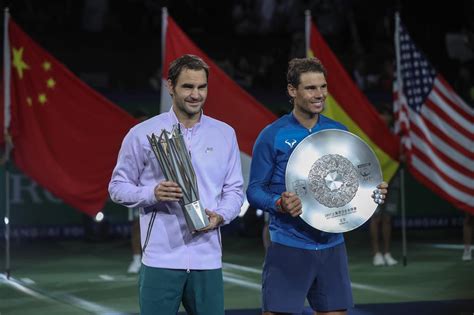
(116, 44)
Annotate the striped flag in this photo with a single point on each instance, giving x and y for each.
(436, 125)
(348, 105)
(226, 100)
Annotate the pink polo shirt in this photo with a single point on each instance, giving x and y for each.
(216, 161)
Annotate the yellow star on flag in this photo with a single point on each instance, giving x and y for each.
(18, 61)
(51, 83)
(46, 66)
(42, 98)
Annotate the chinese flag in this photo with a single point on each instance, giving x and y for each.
(65, 135)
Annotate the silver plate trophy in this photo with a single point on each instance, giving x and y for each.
(334, 172)
(175, 162)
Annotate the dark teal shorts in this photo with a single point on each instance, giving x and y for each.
(161, 291)
(291, 275)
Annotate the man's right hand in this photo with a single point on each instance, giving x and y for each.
(168, 191)
(291, 204)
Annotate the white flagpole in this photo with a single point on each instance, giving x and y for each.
(8, 144)
(402, 167)
(307, 29)
(164, 98)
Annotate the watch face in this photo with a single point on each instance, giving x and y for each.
(334, 172)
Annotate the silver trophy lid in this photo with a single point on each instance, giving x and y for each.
(334, 172)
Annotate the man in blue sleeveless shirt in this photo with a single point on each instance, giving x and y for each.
(302, 262)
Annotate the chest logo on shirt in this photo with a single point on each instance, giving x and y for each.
(209, 149)
(291, 142)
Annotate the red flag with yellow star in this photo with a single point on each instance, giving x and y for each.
(65, 135)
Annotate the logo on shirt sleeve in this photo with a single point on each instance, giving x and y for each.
(291, 142)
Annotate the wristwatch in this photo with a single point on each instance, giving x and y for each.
(278, 205)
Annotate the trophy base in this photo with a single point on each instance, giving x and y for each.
(196, 216)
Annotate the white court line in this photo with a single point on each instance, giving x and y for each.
(27, 281)
(238, 276)
(242, 268)
(235, 279)
(242, 283)
(58, 298)
(378, 290)
(107, 277)
(16, 285)
(446, 246)
(239, 279)
(110, 278)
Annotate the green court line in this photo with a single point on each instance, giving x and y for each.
(58, 298)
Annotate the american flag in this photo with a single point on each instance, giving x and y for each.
(435, 124)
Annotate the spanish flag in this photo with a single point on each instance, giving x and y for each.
(348, 105)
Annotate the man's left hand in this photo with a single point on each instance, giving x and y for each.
(380, 193)
(215, 220)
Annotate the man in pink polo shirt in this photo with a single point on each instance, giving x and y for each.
(178, 266)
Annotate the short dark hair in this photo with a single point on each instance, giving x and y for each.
(298, 66)
(191, 62)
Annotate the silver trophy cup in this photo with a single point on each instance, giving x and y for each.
(175, 162)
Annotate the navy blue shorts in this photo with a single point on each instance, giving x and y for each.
(292, 274)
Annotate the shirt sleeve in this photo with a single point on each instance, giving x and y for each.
(261, 171)
(124, 186)
(232, 191)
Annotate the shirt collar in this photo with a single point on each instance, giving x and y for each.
(295, 121)
(175, 120)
